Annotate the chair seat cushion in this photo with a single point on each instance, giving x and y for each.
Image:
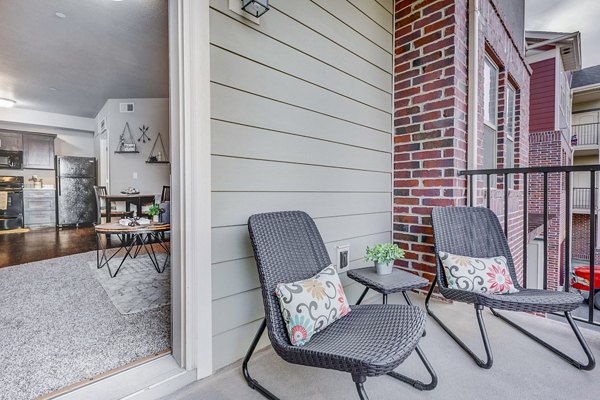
(311, 305)
(527, 300)
(371, 340)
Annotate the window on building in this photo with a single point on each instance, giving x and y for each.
(490, 114)
(509, 137)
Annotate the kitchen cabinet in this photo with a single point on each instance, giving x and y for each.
(39, 208)
(11, 141)
(38, 151)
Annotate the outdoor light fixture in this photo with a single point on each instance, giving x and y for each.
(255, 7)
(6, 103)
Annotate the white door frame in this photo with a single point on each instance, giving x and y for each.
(191, 181)
(189, 63)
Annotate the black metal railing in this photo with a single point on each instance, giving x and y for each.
(585, 134)
(524, 178)
(581, 198)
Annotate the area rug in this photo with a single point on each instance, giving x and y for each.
(59, 327)
(137, 287)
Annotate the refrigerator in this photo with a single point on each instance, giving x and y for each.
(75, 198)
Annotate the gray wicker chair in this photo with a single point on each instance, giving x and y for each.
(371, 340)
(476, 232)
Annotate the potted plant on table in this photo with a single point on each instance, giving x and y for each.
(383, 255)
(154, 211)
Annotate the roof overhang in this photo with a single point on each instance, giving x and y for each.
(568, 45)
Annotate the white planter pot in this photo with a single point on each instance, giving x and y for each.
(384, 269)
(155, 218)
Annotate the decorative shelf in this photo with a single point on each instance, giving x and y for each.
(158, 162)
(126, 152)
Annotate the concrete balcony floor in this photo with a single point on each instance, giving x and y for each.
(522, 368)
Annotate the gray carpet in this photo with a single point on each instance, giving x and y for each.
(137, 287)
(59, 327)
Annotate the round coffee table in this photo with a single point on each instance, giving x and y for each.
(130, 236)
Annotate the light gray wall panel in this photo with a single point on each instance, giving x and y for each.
(240, 40)
(327, 25)
(289, 31)
(247, 75)
(232, 242)
(387, 4)
(246, 276)
(352, 16)
(244, 108)
(233, 344)
(376, 12)
(301, 120)
(237, 174)
(234, 208)
(247, 142)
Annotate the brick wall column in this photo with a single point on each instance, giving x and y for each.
(430, 129)
(550, 149)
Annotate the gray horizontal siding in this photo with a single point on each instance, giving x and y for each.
(301, 119)
(304, 39)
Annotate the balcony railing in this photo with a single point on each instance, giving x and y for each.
(529, 180)
(581, 198)
(585, 134)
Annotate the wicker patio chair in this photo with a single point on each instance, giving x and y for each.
(476, 232)
(371, 340)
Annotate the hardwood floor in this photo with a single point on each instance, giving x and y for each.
(45, 243)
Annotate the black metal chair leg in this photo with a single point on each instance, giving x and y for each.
(415, 383)
(591, 361)
(251, 381)
(362, 296)
(483, 364)
(362, 394)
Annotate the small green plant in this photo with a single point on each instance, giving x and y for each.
(153, 210)
(384, 253)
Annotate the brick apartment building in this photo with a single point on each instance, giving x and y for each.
(586, 151)
(552, 56)
(461, 101)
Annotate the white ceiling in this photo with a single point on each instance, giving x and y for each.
(102, 49)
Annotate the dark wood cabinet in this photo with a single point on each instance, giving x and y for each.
(10, 141)
(38, 151)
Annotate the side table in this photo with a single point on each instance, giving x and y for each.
(397, 281)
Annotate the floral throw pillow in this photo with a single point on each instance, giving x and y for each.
(485, 275)
(309, 306)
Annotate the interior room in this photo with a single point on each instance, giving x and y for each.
(84, 191)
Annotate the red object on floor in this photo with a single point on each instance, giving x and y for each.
(583, 272)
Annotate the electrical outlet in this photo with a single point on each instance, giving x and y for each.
(135, 175)
(343, 257)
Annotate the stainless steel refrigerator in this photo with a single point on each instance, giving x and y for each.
(75, 198)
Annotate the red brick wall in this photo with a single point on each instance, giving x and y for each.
(550, 149)
(430, 118)
(581, 238)
(543, 96)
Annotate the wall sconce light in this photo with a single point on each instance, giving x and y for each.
(255, 7)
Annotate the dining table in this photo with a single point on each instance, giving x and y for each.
(135, 199)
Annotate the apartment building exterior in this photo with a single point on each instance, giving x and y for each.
(586, 151)
(553, 58)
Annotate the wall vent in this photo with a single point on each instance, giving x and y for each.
(126, 107)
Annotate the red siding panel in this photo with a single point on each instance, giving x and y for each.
(542, 100)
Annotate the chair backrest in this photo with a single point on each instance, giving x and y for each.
(471, 232)
(166, 194)
(99, 191)
(287, 247)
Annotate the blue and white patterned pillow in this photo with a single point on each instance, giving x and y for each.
(310, 305)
